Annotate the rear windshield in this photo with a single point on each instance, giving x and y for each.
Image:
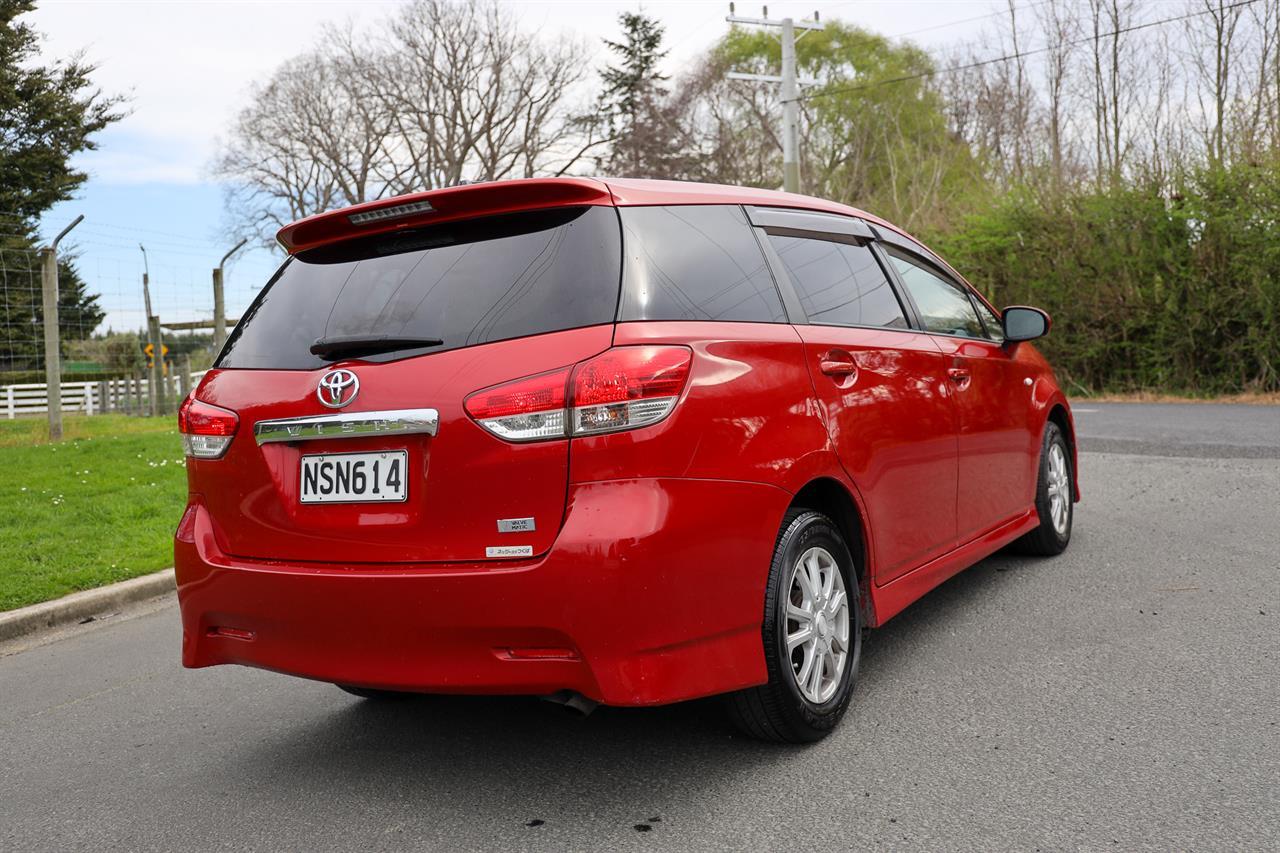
(464, 283)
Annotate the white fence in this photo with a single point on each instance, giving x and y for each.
(132, 396)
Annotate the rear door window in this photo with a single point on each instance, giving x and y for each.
(466, 283)
(695, 262)
(839, 284)
(943, 305)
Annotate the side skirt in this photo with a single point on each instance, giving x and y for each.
(894, 597)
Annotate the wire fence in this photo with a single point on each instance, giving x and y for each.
(103, 329)
(21, 327)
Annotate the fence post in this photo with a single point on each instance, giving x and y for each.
(52, 354)
(104, 404)
(10, 401)
(220, 303)
(52, 346)
(156, 374)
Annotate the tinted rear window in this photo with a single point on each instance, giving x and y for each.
(695, 263)
(465, 283)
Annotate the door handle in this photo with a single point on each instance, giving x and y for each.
(837, 363)
(959, 375)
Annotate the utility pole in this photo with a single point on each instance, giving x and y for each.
(155, 376)
(220, 302)
(52, 346)
(790, 87)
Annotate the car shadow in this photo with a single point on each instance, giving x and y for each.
(518, 761)
(530, 760)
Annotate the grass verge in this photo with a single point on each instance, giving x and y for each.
(98, 507)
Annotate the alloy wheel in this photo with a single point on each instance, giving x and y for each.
(1059, 488)
(817, 624)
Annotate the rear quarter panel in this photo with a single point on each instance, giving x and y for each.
(748, 412)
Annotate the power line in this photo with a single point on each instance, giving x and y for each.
(1021, 54)
(137, 228)
(998, 14)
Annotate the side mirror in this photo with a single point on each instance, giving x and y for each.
(1023, 323)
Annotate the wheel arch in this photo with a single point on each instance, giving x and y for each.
(833, 499)
(1059, 415)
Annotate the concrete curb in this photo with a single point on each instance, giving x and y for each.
(80, 605)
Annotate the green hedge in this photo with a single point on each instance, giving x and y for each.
(1175, 290)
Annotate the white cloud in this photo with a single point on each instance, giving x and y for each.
(188, 64)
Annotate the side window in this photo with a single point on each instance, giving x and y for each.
(695, 262)
(839, 284)
(944, 306)
(995, 329)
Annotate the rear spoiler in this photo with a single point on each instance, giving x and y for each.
(427, 208)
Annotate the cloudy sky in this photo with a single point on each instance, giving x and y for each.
(187, 66)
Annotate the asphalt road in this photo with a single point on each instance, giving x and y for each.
(1123, 696)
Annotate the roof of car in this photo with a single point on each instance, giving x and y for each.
(492, 197)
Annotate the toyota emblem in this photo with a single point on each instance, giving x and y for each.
(337, 388)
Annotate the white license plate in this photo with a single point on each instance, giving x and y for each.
(355, 477)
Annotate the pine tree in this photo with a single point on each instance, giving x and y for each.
(633, 100)
(48, 114)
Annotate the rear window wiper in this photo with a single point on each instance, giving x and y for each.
(339, 345)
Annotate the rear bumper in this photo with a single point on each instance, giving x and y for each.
(653, 592)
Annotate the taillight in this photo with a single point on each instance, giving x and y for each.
(206, 429)
(622, 388)
(524, 410)
(628, 387)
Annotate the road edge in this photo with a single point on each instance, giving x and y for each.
(81, 605)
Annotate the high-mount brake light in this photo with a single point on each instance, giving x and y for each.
(396, 212)
(206, 429)
(622, 388)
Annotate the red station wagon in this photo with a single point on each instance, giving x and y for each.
(607, 441)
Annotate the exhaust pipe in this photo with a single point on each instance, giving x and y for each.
(572, 700)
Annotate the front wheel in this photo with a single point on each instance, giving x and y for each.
(1055, 496)
(812, 636)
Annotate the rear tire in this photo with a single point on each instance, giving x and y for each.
(812, 636)
(1055, 498)
(374, 694)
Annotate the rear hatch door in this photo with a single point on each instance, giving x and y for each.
(507, 296)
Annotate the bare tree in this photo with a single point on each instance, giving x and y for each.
(438, 93)
(310, 140)
(1060, 28)
(473, 97)
(1259, 129)
(1116, 84)
(1211, 34)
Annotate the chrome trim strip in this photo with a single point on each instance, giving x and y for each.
(349, 425)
